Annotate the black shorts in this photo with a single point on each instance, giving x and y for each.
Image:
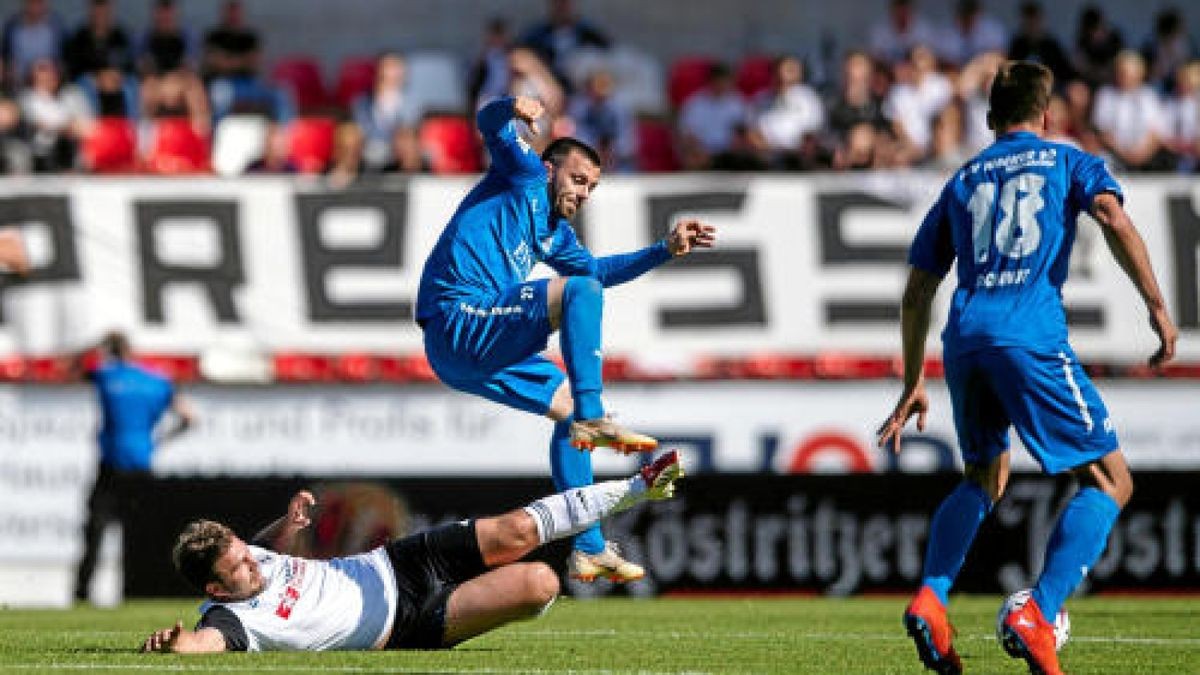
(429, 565)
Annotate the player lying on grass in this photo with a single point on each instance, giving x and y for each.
(430, 590)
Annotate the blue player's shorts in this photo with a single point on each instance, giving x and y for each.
(1046, 396)
(491, 347)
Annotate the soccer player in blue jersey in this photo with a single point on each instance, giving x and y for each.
(485, 323)
(1008, 218)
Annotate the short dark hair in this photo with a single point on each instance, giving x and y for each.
(196, 551)
(559, 148)
(1020, 93)
(116, 345)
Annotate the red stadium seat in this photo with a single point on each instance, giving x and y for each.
(656, 146)
(311, 143)
(111, 146)
(301, 75)
(687, 76)
(449, 142)
(754, 75)
(177, 148)
(355, 76)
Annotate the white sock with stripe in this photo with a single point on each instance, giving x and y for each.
(568, 513)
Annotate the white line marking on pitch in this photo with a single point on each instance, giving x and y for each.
(383, 668)
(885, 637)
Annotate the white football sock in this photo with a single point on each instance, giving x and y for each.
(568, 513)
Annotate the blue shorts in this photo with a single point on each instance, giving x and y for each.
(491, 346)
(1046, 396)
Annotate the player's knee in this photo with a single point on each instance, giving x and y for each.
(541, 586)
(583, 289)
(519, 533)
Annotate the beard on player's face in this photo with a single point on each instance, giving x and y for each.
(571, 182)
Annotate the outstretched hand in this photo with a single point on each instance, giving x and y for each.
(1167, 335)
(163, 640)
(912, 402)
(690, 234)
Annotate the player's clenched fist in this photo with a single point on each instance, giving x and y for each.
(528, 110)
(690, 234)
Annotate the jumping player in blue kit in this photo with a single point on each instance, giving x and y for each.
(485, 323)
(1008, 218)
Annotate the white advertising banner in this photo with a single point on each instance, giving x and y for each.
(48, 453)
(805, 264)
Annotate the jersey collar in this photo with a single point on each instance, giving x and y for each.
(1019, 136)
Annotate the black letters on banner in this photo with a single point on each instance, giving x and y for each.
(751, 309)
(1185, 242)
(836, 250)
(54, 214)
(320, 258)
(218, 281)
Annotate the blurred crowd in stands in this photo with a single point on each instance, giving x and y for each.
(94, 95)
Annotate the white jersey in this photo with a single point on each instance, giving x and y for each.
(314, 605)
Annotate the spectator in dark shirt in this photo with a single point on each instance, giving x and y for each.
(563, 32)
(31, 35)
(1096, 47)
(489, 74)
(98, 42)
(110, 92)
(166, 46)
(1168, 49)
(231, 48)
(855, 102)
(1033, 43)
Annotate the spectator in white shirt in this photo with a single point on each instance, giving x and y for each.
(892, 40)
(1128, 115)
(918, 96)
(788, 112)
(57, 117)
(972, 33)
(712, 120)
(1181, 130)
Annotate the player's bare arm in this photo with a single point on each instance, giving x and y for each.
(1130, 252)
(688, 235)
(184, 418)
(178, 640)
(915, 311)
(281, 535)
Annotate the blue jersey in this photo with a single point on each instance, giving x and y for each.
(132, 400)
(1008, 218)
(506, 224)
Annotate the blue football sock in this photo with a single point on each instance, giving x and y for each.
(1075, 545)
(572, 468)
(579, 337)
(951, 532)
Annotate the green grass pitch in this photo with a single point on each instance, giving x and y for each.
(753, 635)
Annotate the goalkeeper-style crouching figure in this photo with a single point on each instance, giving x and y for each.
(485, 323)
(430, 590)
